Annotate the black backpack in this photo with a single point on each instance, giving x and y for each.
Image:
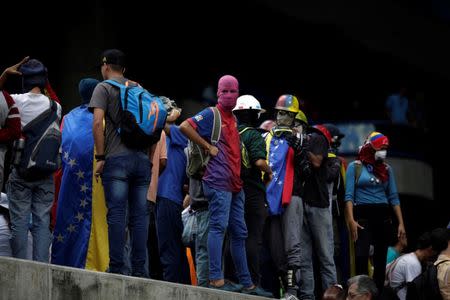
(425, 286)
(41, 157)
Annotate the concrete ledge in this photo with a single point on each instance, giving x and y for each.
(23, 279)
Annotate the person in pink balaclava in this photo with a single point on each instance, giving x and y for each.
(222, 187)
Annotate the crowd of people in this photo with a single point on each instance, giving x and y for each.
(273, 210)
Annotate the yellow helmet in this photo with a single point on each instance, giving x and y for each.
(301, 117)
(287, 103)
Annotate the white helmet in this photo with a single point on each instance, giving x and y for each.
(248, 102)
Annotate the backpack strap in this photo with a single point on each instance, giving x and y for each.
(123, 89)
(245, 160)
(120, 87)
(389, 275)
(215, 136)
(358, 170)
(115, 83)
(53, 105)
(51, 111)
(244, 130)
(217, 126)
(442, 262)
(268, 139)
(121, 103)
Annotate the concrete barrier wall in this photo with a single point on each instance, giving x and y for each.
(22, 279)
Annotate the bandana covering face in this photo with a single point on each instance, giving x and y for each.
(367, 156)
(227, 92)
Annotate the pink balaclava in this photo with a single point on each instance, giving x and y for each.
(227, 92)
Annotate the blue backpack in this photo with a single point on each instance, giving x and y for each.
(143, 115)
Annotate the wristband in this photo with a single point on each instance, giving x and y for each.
(100, 157)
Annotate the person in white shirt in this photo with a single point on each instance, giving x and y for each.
(30, 197)
(407, 267)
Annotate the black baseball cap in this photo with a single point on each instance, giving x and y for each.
(334, 130)
(113, 57)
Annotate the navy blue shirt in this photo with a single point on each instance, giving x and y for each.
(173, 177)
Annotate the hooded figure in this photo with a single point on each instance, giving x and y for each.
(78, 146)
(86, 88)
(373, 154)
(227, 92)
(34, 74)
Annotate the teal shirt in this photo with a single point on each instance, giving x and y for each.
(392, 255)
(368, 189)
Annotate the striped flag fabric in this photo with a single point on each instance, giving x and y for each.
(79, 239)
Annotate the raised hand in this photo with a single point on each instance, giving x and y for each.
(13, 70)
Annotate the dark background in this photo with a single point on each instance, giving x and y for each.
(328, 54)
(342, 58)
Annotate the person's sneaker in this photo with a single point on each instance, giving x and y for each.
(257, 291)
(228, 286)
(288, 296)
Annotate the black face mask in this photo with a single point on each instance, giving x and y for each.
(248, 117)
(335, 146)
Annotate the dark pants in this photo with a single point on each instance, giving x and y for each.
(273, 260)
(341, 249)
(255, 216)
(171, 249)
(154, 263)
(377, 229)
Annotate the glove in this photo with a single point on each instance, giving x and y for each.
(306, 168)
(294, 143)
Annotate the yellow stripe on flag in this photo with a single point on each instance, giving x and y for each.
(98, 250)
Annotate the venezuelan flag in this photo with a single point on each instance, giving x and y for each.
(79, 240)
(280, 159)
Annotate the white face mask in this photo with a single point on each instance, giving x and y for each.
(380, 154)
(298, 130)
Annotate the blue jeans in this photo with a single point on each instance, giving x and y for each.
(125, 180)
(227, 211)
(33, 198)
(201, 247)
(169, 228)
(316, 235)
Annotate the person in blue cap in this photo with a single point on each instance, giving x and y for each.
(69, 247)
